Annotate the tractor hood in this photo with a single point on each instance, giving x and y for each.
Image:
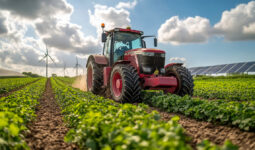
(149, 60)
(141, 50)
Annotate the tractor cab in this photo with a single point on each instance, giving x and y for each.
(118, 41)
(126, 67)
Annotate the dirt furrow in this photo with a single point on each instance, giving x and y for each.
(48, 130)
(16, 89)
(200, 130)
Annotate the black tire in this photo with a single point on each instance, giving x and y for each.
(184, 78)
(131, 89)
(97, 77)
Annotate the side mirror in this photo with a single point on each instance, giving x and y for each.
(155, 42)
(103, 37)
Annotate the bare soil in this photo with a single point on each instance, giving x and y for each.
(16, 89)
(48, 130)
(218, 134)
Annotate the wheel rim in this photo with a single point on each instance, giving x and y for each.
(89, 78)
(117, 84)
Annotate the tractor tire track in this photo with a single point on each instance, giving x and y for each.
(48, 130)
(218, 134)
(16, 89)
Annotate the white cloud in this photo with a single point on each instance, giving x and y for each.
(250, 29)
(3, 26)
(111, 16)
(190, 30)
(34, 9)
(238, 23)
(66, 36)
(19, 53)
(50, 20)
(178, 60)
(23, 57)
(128, 5)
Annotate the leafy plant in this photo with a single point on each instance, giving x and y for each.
(99, 123)
(16, 110)
(241, 114)
(8, 84)
(225, 88)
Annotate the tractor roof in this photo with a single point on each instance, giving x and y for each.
(125, 30)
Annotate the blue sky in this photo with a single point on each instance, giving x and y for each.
(148, 15)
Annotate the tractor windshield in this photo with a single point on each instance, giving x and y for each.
(125, 41)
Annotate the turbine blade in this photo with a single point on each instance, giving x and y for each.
(52, 60)
(42, 59)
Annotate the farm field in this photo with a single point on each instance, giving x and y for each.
(82, 119)
(239, 88)
(97, 75)
(9, 84)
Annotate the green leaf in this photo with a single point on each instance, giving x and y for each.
(13, 129)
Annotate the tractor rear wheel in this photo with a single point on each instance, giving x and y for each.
(185, 81)
(125, 84)
(94, 77)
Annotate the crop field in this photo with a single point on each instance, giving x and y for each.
(6, 85)
(40, 113)
(236, 88)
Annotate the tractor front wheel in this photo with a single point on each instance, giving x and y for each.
(125, 84)
(184, 79)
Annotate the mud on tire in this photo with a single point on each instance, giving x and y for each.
(131, 89)
(184, 78)
(96, 80)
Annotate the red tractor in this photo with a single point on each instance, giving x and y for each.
(127, 66)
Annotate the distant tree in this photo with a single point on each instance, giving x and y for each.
(30, 74)
(54, 75)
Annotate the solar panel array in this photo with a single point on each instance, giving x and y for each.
(243, 67)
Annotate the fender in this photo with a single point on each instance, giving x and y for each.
(173, 64)
(99, 59)
(121, 62)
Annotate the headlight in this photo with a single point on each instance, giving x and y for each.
(148, 54)
(162, 55)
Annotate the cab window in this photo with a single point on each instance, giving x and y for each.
(124, 41)
(107, 47)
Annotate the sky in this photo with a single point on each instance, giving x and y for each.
(195, 32)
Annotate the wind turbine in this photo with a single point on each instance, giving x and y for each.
(46, 55)
(77, 65)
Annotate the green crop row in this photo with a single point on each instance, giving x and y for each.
(230, 89)
(241, 114)
(16, 110)
(99, 123)
(204, 77)
(67, 80)
(8, 84)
